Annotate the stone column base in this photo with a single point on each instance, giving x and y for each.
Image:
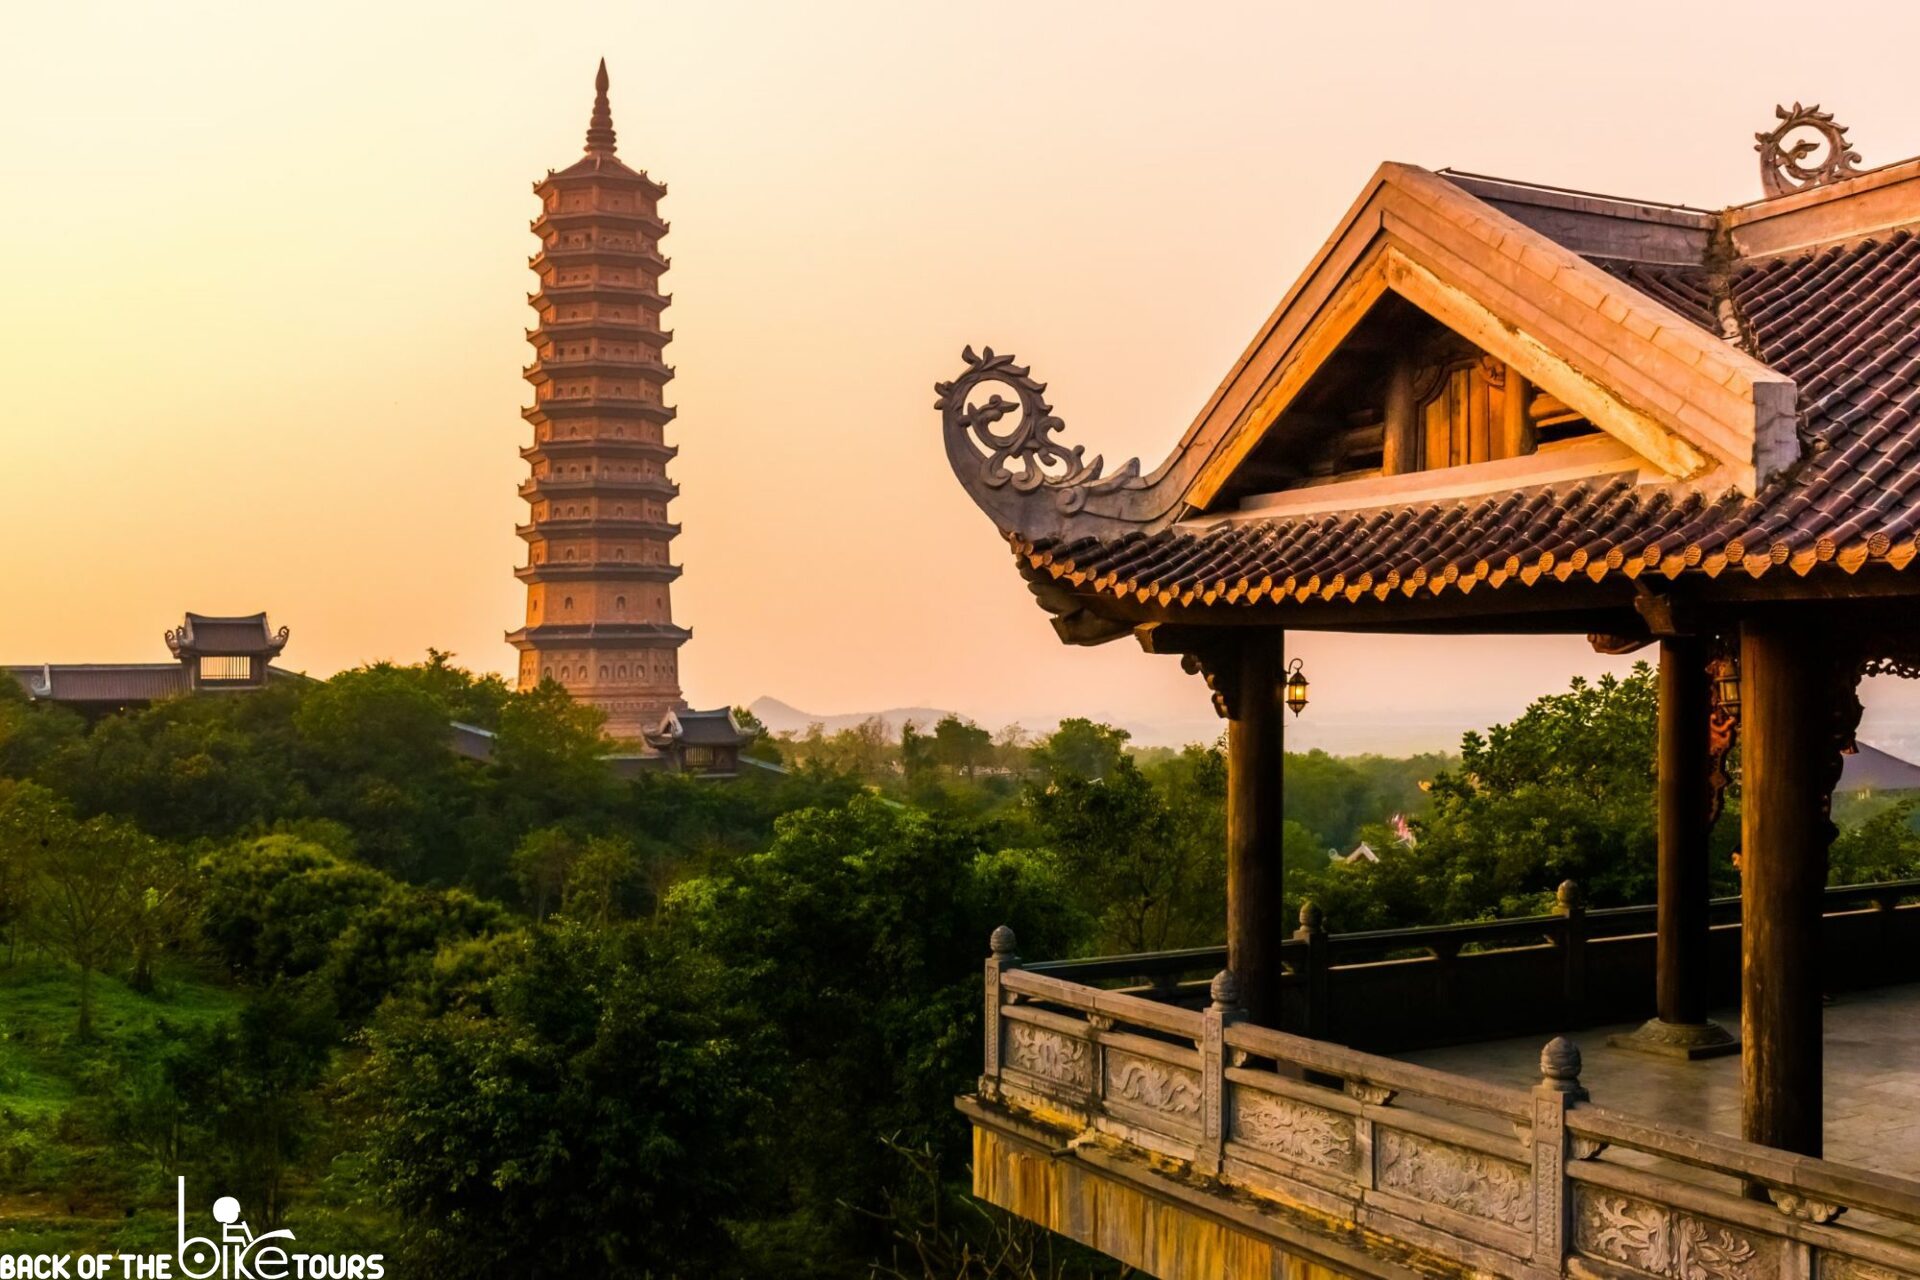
(1686, 1040)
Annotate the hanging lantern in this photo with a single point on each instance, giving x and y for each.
(1726, 686)
(1296, 688)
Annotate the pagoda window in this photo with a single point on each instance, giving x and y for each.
(547, 674)
(620, 603)
(623, 671)
(567, 604)
(603, 671)
(225, 667)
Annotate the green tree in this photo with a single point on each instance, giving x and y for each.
(604, 882)
(540, 865)
(88, 882)
(591, 1119)
(1080, 749)
(859, 935)
(961, 745)
(273, 907)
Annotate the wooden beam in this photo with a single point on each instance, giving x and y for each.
(1256, 923)
(1400, 446)
(1784, 698)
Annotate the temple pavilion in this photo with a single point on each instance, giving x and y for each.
(1490, 406)
(211, 654)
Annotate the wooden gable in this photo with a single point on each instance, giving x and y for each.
(1495, 301)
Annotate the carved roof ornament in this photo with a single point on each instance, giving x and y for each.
(1025, 458)
(1783, 165)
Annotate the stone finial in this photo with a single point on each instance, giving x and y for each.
(1560, 1065)
(1002, 943)
(1225, 990)
(1311, 917)
(1567, 896)
(600, 136)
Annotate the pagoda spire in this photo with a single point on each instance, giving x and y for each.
(600, 128)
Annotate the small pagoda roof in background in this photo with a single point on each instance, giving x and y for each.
(204, 635)
(715, 728)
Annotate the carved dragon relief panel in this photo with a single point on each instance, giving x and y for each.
(1469, 1182)
(1648, 1237)
(1153, 1086)
(1305, 1135)
(1048, 1055)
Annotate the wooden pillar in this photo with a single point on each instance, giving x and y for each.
(1400, 442)
(1256, 926)
(1682, 893)
(1516, 425)
(1683, 957)
(1786, 691)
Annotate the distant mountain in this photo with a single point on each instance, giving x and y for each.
(781, 718)
(1871, 769)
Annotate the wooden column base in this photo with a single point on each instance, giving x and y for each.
(1681, 1040)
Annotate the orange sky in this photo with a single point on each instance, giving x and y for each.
(267, 271)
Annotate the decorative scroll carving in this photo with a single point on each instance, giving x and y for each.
(1806, 1208)
(1026, 457)
(1305, 1135)
(1715, 1251)
(1455, 1178)
(1624, 1230)
(1155, 1086)
(1838, 1266)
(1048, 1055)
(1784, 168)
(1374, 1095)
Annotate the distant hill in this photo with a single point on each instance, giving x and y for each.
(781, 718)
(1871, 769)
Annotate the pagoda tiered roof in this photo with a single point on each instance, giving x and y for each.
(1802, 311)
(600, 635)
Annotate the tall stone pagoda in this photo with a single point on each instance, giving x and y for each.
(599, 616)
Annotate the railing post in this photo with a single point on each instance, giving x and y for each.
(1225, 1009)
(1001, 957)
(1559, 1088)
(1573, 952)
(1315, 978)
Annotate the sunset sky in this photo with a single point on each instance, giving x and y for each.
(267, 282)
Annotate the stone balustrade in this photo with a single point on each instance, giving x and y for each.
(1366, 1165)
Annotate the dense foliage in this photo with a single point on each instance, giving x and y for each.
(519, 1017)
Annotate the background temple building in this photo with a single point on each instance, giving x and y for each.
(211, 655)
(599, 616)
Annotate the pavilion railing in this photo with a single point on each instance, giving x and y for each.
(1395, 989)
(1501, 1181)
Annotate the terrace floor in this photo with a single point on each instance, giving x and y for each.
(1872, 1078)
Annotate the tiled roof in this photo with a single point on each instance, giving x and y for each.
(104, 682)
(228, 635)
(1843, 323)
